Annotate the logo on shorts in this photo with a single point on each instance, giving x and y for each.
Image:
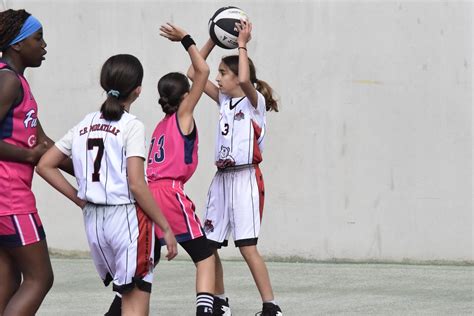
(208, 227)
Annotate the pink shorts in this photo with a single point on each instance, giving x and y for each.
(178, 209)
(20, 230)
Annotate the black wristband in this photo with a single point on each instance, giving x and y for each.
(187, 41)
(241, 47)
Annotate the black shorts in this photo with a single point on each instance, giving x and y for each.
(198, 249)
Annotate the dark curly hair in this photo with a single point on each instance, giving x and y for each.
(171, 88)
(11, 22)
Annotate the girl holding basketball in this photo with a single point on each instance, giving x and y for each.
(236, 194)
(108, 152)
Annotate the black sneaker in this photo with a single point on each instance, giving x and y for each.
(221, 307)
(270, 309)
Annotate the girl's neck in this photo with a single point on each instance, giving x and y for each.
(237, 93)
(14, 63)
(126, 106)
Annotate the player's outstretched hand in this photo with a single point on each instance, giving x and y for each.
(245, 32)
(171, 244)
(172, 32)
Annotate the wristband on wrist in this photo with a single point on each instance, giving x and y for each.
(187, 41)
(241, 47)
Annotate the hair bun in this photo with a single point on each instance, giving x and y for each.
(163, 101)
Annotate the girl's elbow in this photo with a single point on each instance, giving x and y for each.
(136, 187)
(203, 71)
(40, 169)
(190, 74)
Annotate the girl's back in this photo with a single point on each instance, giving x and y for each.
(173, 155)
(99, 152)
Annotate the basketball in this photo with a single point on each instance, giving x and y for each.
(222, 26)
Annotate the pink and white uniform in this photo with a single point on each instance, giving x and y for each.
(172, 160)
(18, 128)
(20, 224)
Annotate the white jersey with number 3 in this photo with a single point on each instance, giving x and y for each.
(241, 131)
(99, 150)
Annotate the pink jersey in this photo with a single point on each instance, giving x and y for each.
(18, 128)
(172, 155)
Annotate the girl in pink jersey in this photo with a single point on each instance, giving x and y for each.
(108, 152)
(236, 195)
(173, 159)
(25, 268)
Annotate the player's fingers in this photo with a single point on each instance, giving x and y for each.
(170, 26)
(172, 252)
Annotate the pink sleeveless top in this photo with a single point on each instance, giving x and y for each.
(172, 155)
(18, 128)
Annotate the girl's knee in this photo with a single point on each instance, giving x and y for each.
(41, 281)
(49, 281)
(249, 252)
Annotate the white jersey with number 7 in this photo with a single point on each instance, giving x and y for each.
(99, 149)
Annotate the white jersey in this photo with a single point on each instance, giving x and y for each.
(241, 131)
(99, 150)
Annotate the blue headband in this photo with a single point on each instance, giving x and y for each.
(30, 26)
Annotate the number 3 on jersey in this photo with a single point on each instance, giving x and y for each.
(157, 154)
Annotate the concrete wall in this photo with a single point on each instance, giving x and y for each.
(370, 157)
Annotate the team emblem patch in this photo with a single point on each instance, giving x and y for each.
(239, 115)
(225, 159)
(208, 227)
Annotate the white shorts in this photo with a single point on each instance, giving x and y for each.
(121, 240)
(235, 204)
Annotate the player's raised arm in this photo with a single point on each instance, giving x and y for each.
(201, 73)
(210, 88)
(245, 35)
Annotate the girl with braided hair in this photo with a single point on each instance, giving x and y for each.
(25, 268)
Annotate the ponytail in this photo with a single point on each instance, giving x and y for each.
(267, 92)
(120, 76)
(171, 88)
(112, 109)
